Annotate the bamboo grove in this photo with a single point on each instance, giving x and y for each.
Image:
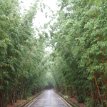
(79, 58)
(77, 65)
(20, 53)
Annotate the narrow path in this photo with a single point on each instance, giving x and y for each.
(49, 99)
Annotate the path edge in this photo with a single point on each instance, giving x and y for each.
(30, 102)
(69, 103)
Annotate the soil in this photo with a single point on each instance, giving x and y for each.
(18, 103)
(74, 100)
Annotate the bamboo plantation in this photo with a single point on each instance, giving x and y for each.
(77, 64)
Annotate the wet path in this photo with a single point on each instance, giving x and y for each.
(48, 99)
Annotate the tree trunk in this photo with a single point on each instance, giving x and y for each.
(98, 90)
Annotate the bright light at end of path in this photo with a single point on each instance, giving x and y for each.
(49, 74)
(48, 50)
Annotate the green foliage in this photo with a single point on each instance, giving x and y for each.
(20, 53)
(80, 42)
(77, 65)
